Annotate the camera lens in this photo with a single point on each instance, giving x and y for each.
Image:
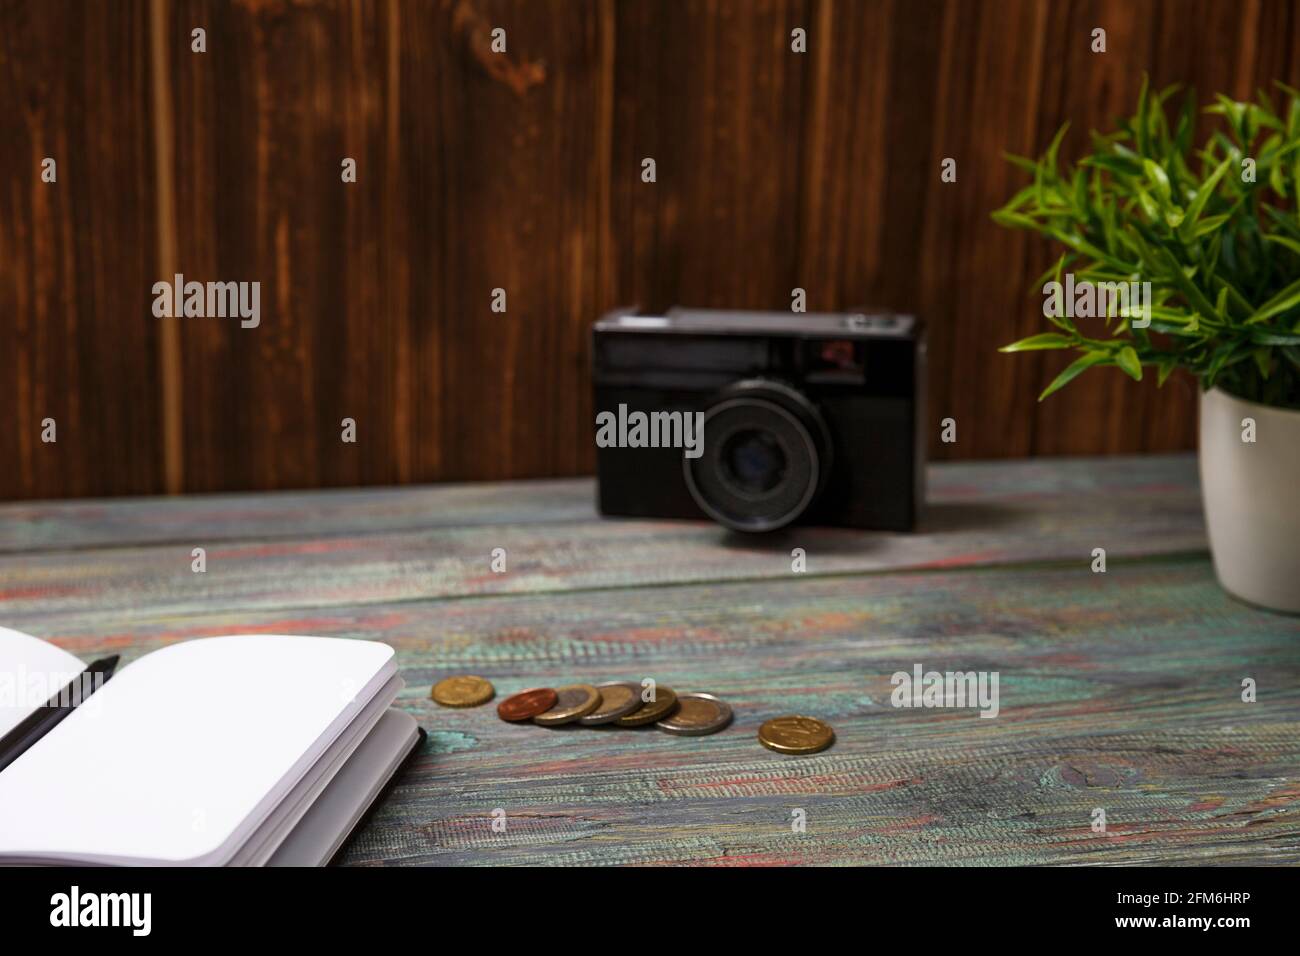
(766, 453)
(753, 462)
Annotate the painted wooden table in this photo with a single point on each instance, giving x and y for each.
(1119, 690)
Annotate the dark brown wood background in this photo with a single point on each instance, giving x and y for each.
(775, 170)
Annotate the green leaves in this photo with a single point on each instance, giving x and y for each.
(1048, 340)
(1202, 196)
(1287, 299)
(1072, 370)
(1286, 241)
(1127, 359)
(1212, 230)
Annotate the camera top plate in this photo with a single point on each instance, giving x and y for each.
(864, 324)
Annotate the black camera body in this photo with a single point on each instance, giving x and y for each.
(760, 420)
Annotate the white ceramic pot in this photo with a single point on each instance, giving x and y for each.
(1251, 492)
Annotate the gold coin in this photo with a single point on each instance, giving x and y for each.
(617, 699)
(464, 690)
(665, 703)
(795, 734)
(572, 702)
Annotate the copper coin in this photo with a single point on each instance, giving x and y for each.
(617, 698)
(572, 702)
(795, 734)
(697, 715)
(665, 703)
(527, 704)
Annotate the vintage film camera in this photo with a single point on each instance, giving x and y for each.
(806, 418)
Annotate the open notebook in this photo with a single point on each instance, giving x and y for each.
(224, 751)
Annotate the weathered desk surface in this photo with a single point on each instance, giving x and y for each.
(1119, 690)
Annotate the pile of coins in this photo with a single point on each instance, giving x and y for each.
(620, 704)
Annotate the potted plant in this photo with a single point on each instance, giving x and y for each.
(1184, 256)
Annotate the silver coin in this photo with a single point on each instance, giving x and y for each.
(697, 715)
(617, 699)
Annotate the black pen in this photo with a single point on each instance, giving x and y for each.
(42, 720)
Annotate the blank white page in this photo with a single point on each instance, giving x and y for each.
(31, 672)
(349, 795)
(183, 753)
(298, 801)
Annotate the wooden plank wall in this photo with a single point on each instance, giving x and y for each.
(478, 171)
(78, 343)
